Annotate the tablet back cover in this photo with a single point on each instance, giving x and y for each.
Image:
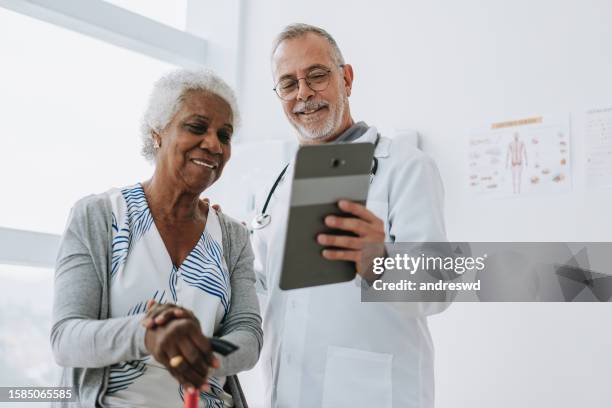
(323, 175)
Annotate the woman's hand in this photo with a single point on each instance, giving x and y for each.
(159, 314)
(177, 342)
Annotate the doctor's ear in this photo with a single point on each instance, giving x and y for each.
(347, 70)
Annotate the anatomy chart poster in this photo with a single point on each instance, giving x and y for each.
(520, 157)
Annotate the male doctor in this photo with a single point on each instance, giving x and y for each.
(323, 346)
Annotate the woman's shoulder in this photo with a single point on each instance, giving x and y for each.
(235, 229)
(89, 214)
(126, 193)
(92, 203)
(100, 204)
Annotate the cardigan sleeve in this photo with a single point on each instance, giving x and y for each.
(242, 325)
(80, 337)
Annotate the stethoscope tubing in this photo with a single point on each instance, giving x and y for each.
(263, 219)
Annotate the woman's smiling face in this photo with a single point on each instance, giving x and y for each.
(196, 144)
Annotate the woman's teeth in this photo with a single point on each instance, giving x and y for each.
(201, 163)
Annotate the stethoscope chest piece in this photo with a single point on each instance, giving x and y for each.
(261, 221)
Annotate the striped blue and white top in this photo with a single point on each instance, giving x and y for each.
(141, 269)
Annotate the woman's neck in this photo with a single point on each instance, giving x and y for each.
(168, 201)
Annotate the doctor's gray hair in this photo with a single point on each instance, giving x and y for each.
(168, 94)
(298, 30)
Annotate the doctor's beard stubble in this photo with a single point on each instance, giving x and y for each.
(331, 124)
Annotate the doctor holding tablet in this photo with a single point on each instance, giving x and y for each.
(324, 347)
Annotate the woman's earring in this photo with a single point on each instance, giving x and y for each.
(156, 144)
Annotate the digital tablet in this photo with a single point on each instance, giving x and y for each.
(324, 174)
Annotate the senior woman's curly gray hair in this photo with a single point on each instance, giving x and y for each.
(166, 98)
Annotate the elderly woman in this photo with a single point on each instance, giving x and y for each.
(157, 242)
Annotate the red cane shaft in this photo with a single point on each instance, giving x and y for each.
(191, 398)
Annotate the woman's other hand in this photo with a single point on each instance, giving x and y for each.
(159, 314)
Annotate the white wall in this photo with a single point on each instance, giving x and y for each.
(444, 67)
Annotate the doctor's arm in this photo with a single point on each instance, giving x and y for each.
(416, 214)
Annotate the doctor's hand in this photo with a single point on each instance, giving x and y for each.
(215, 207)
(362, 249)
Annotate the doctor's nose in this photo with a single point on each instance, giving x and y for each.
(304, 91)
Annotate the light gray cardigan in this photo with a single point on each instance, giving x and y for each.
(83, 338)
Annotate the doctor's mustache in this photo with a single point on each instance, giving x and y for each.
(302, 107)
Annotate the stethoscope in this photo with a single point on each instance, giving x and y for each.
(264, 219)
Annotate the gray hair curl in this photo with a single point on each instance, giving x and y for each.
(166, 97)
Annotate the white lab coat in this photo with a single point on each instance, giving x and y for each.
(323, 347)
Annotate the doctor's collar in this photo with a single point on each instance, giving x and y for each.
(352, 133)
(382, 147)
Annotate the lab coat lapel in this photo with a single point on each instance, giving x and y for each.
(382, 149)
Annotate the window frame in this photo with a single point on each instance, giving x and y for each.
(118, 26)
(114, 25)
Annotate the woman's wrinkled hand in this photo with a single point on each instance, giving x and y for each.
(159, 314)
(174, 338)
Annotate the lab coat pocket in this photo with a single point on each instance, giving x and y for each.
(357, 378)
(381, 210)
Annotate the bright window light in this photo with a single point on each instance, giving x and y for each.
(70, 107)
(169, 12)
(25, 323)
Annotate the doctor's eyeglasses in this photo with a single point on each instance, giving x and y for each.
(317, 79)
